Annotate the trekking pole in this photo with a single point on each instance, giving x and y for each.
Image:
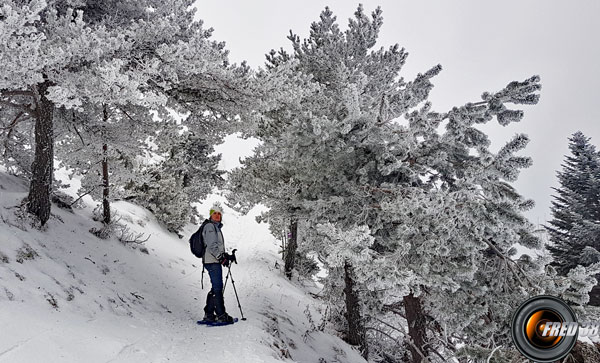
(236, 294)
(229, 273)
(226, 278)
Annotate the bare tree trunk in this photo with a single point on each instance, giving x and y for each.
(38, 200)
(284, 236)
(292, 246)
(583, 353)
(416, 326)
(105, 184)
(105, 181)
(595, 293)
(357, 334)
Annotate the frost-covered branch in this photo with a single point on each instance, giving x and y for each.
(508, 259)
(492, 353)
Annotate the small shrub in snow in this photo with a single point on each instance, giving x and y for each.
(4, 258)
(119, 230)
(126, 235)
(52, 301)
(26, 253)
(103, 233)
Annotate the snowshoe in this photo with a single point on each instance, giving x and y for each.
(220, 323)
(208, 319)
(217, 322)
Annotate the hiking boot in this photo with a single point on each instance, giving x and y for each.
(225, 319)
(209, 317)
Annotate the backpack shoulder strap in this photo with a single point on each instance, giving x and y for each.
(201, 229)
(206, 221)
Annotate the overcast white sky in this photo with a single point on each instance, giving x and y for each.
(481, 45)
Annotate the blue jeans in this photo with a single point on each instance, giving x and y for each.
(214, 301)
(215, 272)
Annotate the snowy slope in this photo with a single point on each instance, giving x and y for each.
(67, 296)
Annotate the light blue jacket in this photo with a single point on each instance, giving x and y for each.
(215, 244)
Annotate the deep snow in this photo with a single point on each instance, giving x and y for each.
(68, 296)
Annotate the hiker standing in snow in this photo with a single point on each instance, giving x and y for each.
(214, 258)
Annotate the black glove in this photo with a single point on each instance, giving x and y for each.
(231, 257)
(224, 260)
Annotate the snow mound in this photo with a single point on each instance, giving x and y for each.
(68, 296)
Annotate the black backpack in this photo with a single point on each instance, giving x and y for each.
(197, 243)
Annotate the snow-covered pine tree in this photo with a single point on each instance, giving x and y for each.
(440, 207)
(108, 115)
(291, 171)
(152, 52)
(450, 235)
(575, 227)
(23, 85)
(48, 50)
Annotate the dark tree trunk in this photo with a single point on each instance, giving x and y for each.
(595, 293)
(284, 236)
(292, 246)
(583, 353)
(357, 334)
(105, 202)
(38, 200)
(416, 326)
(105, 181)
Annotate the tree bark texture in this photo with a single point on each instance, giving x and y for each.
(105, 181)
(38, 200)
(416, 327)
(105, 184)
(595, 293)
(583, 353)
(357, 334)
(292, 246)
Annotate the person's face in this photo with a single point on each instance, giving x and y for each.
(216, 216)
